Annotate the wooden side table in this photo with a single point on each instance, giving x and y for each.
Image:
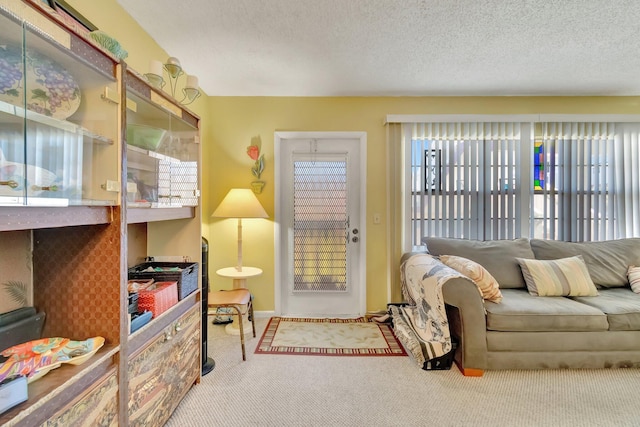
(239, 281)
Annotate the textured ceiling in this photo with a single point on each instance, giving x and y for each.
(400, 47)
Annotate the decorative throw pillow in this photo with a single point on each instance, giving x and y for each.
(558, 277)
(634, 278)
(487, 285)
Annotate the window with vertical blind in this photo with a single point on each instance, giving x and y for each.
(589, 181)
(466, 181)
(572, 181)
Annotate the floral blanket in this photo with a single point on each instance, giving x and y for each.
(422, 325)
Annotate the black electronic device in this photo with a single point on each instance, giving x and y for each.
(207, 363)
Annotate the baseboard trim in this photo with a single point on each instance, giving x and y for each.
(264, 313)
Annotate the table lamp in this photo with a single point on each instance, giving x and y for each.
(240, 203)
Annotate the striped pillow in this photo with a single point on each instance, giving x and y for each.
(634, 278)
(486, 283)
(559, 277)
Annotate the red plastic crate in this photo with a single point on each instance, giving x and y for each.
(160, 299)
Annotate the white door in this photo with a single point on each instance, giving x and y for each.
(320, 213)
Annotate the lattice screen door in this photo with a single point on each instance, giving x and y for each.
(320, 225)
(320, 240)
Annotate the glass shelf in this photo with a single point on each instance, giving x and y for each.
(19, 114)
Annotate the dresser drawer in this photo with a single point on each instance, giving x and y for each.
(98, 406)
(164, 370)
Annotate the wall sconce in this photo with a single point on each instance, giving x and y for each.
(174, 71)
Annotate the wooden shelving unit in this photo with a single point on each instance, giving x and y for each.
(81, 252)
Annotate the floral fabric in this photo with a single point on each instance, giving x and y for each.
(422, 325)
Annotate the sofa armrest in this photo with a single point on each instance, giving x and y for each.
(407, 255)
(467, 320)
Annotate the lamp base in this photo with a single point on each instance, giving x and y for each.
(234, 328)
(208, 366)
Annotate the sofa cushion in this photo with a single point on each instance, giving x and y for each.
(497, 256)
(520, 311)
(558, 277)
(563, 341)
(486, 283)
(621, 305)
(607, 261)
(634, 278)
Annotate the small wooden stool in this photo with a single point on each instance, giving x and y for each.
(235, 299)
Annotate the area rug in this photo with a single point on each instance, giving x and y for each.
(328, 337)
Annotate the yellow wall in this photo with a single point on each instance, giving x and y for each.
(235, 120)
(229, 124)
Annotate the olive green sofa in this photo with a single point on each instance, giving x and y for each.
(533, 332)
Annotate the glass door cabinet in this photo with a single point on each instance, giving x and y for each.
(58, 120)
(162, 150)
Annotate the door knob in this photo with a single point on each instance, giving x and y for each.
(354, 239)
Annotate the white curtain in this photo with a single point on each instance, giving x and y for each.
(58, 157)
(464, 179)
(47, 164)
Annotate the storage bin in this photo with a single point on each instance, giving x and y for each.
(138, 320)
(160, 297)
(186, 276)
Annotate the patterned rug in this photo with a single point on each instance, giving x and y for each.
(328, 337)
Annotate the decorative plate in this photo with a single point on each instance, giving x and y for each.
(35, 347)
(51, 90)
(145, 137)
(39, 373)
(12, 178)
(78, 352)
(36, 358)
(32, 367)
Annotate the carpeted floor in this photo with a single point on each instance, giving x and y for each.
(328, 337)
(281, 390)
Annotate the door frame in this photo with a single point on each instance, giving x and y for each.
(362, 262)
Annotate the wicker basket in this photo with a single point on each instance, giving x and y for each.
(186, 276)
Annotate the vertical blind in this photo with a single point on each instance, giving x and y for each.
(464, 180)
(591, 176)
(627, 179)
(576, 203)
(571, 181)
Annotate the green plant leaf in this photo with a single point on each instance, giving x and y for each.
(260, 165)
(17, 291)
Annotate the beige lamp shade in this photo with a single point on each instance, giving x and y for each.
(240, 203)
